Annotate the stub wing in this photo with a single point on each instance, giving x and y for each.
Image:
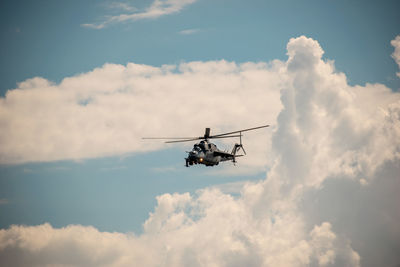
(225, 155)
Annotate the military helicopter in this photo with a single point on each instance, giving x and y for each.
(206, 152)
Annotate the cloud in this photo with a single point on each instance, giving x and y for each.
(70, 246)
(396, 54)
(311, 210)
(225, 233)
(367, 215)
(189, 31)
(121, 6)
(157, 9)
(106, 111)
(328, 127)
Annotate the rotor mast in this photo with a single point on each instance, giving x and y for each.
(207, 134)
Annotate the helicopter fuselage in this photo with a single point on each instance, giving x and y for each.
(208, 154)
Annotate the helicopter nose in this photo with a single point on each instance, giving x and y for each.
(195, 156)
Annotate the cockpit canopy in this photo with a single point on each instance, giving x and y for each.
(200, 146)
(203, 145)
(197, 148)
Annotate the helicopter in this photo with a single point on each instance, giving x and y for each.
(207, 153)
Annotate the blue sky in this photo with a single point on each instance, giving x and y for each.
(116, 191)
(113, 194)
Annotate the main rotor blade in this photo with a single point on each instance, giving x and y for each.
(169, 137)
(202, 138)
(218, 137)
(186, 140)
(244, 130)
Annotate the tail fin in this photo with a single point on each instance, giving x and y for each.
(235, 149)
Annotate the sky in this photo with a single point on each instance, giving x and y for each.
(82, 82)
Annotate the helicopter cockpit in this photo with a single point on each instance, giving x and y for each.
(196, 148)
(202, 146)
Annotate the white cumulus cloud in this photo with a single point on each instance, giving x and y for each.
(311, 209)
(107, 111)
(212, 229)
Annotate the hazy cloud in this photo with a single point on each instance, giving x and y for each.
(121, 6)
(157, 9)
(311, 210)
(367, 215)
(396, 53)
(189, 31)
